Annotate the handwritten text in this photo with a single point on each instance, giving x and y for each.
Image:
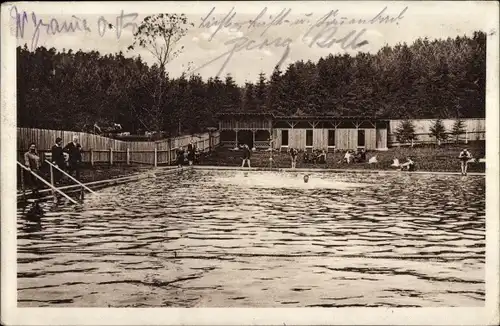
(323, 33)
(75, 24)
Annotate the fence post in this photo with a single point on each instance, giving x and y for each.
(168, 154)
(23, 188)
(91, 157)
(111, 156)
(51, 175)
(52, 182)
(128, 156)
(156, 155)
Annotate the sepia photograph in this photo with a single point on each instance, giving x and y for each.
(250, 155)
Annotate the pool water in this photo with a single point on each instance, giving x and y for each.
(267, 239)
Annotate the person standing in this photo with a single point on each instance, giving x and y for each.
(190, 150)
(246, 155)
(293, 155)
(464, 157)
(33, 163)
(58, 159)
(180, 157)
(74, 150)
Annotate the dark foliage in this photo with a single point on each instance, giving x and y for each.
(427, 79)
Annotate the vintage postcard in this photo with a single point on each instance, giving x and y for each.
(250, 163)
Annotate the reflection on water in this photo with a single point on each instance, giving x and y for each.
(219, 239)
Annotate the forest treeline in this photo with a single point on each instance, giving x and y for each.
(427, 79)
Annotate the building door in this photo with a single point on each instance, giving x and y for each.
(361, 138)
(380, 138)
(331, 138)
(284, 138)
(309, 138)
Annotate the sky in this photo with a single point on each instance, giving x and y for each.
(250, 48)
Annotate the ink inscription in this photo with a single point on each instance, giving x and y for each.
(328, 30)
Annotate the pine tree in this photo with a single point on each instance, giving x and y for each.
(261, 92)
(232, 95)
(250, 103)
(438, 131)
(405, 133)
(275, 91)
(458, 129)
(426, 79)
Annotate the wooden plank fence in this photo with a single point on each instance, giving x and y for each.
(475, 129)
(98, 149)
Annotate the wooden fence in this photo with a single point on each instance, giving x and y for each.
(475, 129)
(98, 149)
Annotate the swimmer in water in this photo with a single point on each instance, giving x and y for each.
(245, 174)
(306, 178)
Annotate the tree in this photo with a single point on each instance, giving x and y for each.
(232, 95)
(250, 103)
(427, 79)
(458, 129)
(275, 91)
(159, 34)
(406, 132)
(260, 91)
(438, 131)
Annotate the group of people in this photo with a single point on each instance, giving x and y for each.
(67, 158)
(358, 156)
(187, 156)
(316, 156)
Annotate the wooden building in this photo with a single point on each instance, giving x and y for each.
(302, 132)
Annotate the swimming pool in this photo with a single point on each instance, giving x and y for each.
(220, 239)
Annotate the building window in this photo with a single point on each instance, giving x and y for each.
(309, 138)
(284, 138)
(361, 138)
(331, 138)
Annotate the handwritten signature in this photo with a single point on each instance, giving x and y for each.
(53, 26)
(246, 44)
(323, 33)
(331, 18)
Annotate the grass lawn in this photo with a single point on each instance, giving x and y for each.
(432, 158)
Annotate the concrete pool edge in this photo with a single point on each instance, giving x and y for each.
(312, 170)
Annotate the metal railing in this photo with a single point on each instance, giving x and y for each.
(54, 189)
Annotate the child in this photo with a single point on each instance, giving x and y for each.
(190, 153)
(306, 178)
(348, 157)
(246, 155)
(293, 155)
(180, 157)
(322, 157)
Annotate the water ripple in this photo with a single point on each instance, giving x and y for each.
(219, 239)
